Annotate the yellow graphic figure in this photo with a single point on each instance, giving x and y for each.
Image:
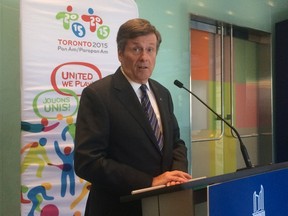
(83, 193)
(36, 155)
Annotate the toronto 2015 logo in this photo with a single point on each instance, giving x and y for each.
(81, 24)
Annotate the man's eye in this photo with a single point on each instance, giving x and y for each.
(136, 50)
(150, 50)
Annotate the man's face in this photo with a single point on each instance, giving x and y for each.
(139, 57)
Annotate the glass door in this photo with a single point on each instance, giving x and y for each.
(227, 73)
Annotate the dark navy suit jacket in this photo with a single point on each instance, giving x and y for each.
(115, 148)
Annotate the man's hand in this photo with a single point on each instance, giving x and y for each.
(170, 178)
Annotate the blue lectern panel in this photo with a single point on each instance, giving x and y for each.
(260, 195)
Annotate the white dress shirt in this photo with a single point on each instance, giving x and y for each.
(136, 87)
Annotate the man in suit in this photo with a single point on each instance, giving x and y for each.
(116, 148)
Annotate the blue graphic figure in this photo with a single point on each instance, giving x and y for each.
(37, 128)
(67, 168)
(37, 195)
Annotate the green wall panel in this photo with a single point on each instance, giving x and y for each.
(9, 108)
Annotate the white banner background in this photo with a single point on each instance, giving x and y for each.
(65, 45)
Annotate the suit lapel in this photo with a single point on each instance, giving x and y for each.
(129, 99)
(162, 106)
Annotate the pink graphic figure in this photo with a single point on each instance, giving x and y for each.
(36, 155)
(92, 20)
(50, 210)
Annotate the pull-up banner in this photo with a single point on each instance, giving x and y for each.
(65, 46)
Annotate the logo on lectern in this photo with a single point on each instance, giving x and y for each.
(258, 203)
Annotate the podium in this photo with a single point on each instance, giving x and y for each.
(258, 191)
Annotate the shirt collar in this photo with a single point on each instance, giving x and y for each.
(134, 85)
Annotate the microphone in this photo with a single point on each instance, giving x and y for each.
(244, 151)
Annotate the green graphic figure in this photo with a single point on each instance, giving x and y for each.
(67, 17)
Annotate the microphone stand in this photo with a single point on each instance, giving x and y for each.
(244, 151)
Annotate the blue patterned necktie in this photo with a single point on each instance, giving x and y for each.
(146, 104)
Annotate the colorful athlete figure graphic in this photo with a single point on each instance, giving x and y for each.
(67, 17)
(24, 189)
(37, 128)
(67, 168)
(92, 19)
(50, 210)
(70, 128)
(36, 195)
(78, 26)
(36, 155)
(82, 195)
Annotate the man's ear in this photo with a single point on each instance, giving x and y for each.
(120, 56)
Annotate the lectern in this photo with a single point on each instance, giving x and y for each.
(258, 191)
